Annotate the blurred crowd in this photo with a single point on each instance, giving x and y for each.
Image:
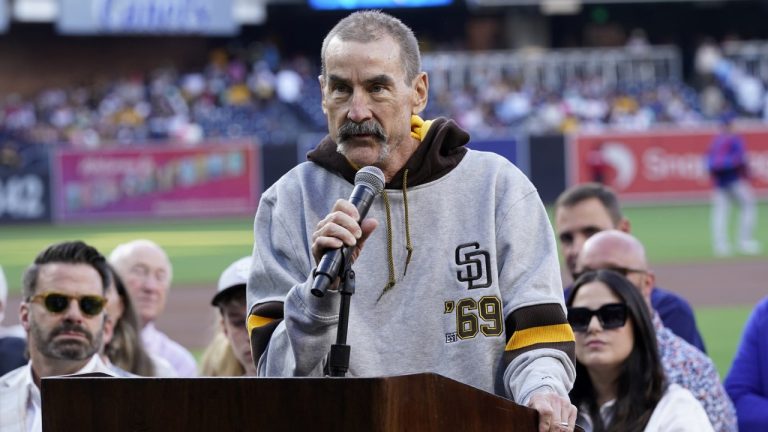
(579, 104)
(256, 93)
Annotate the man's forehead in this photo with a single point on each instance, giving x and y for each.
(148, 256)
(69, 276)
(341, 53)
(603, 256)
(587, 213)
(234, 305)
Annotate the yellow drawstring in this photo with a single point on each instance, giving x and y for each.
(391, 261)
(408, 245)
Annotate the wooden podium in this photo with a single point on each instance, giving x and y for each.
(422, 402)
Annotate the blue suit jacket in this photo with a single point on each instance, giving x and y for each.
(747, 382)
(675, 313)
(11, 354)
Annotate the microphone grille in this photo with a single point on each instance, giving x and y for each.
(370, 176)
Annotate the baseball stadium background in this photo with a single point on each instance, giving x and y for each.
(166, 119)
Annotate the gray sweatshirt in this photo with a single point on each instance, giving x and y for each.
(481, 301)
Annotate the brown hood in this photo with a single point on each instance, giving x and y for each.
(441, 150)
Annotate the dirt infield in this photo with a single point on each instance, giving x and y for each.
(191, 320)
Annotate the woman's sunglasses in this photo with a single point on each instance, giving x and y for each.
(54, 302)
(611, 316)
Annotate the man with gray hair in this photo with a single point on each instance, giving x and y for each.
(146, 271)
(463, 279)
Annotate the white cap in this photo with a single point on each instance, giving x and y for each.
(236, 275)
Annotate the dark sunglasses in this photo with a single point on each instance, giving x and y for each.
(624, 271)
(54, 302)
(611, 316)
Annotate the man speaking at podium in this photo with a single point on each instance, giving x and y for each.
(457, 270)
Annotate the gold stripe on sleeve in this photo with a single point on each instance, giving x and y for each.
(255, 321)
(537, 335)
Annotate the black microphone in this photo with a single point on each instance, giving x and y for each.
(369, 182)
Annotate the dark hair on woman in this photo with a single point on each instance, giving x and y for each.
(641, 382)
(125, 349)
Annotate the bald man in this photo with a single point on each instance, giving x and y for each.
(683, 363)
(588, 208)
(147, 273)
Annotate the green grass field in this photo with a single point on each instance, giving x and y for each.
(200, 249)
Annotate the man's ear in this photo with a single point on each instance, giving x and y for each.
(420, 93)
(650, 282)
(624, 226)
(24, 315)
(321, 79)
(223, 326)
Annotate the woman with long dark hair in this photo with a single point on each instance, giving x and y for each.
(122, 344)
(620, 383)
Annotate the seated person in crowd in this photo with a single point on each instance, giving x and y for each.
(585, 209)
(146, 271)
(683, 363)
(218, 359)
(229, 354)
(123, 350)
(620, 383)
(63, 314)
(747, 381)
(11, 345)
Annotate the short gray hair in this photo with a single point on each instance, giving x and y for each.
(371, 25)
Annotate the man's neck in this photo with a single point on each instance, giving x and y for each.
(44, 367)
(399, 157)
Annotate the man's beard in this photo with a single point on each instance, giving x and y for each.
(370, 127)
(69, 349)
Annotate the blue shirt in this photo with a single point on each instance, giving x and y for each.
(11, 354)
(726, 159)
(747, 381)
(677, 315)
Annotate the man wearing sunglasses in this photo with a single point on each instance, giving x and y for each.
(63, 315)
(586, 209)
(683, 364)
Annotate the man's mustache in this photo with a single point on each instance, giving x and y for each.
(370, 127)
(71, 328)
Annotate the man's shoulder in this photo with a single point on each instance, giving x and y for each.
(489, 160)
(665, 299)
(488, 166)
(680, 357)
(171, 344)
(14, 378)
(12, 343)
(306, 176)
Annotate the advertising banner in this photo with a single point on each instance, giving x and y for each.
(144, 182)
(91, 17)
(25, 192)
(661, 165)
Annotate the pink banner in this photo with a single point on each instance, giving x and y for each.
(661, 165)
(157, 181)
